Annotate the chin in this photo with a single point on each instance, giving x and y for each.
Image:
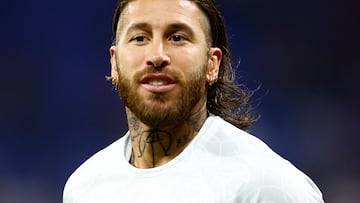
(161, 116)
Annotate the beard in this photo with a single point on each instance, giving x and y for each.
(161, 110)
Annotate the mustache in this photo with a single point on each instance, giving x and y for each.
(151, 70)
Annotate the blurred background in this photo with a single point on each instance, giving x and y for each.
(57, 109)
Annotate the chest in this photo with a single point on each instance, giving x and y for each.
(197, 187)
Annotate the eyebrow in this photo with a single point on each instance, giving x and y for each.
(181, 26)
(170, 28)
(138, 26)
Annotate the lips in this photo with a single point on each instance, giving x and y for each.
(158, 82)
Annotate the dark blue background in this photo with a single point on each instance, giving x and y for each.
(56, 108)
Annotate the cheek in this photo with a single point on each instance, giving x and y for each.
(129, 61)
(190, 59)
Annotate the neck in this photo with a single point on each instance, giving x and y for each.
(155, 146)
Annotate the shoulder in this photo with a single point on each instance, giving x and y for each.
(284, 185)
(234, 141)
(89, 173)
(267, 175)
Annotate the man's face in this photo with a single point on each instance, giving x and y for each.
(161, 60)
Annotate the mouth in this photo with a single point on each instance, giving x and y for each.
(158, 83)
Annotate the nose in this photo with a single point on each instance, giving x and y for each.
(158, 58)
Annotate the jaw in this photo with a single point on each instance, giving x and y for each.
(172, 106)
(164, 111)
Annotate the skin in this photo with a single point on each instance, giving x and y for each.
(163, 67)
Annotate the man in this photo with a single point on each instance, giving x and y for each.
(170, 62)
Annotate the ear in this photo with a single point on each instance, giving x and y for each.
(114, 69)
(215, 56)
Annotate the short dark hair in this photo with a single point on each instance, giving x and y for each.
(225, 98)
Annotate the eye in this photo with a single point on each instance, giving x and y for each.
(138, 39)
(177, 38)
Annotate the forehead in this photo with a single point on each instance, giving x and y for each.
(163, 12)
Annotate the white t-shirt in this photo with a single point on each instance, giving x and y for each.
(221, 164)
